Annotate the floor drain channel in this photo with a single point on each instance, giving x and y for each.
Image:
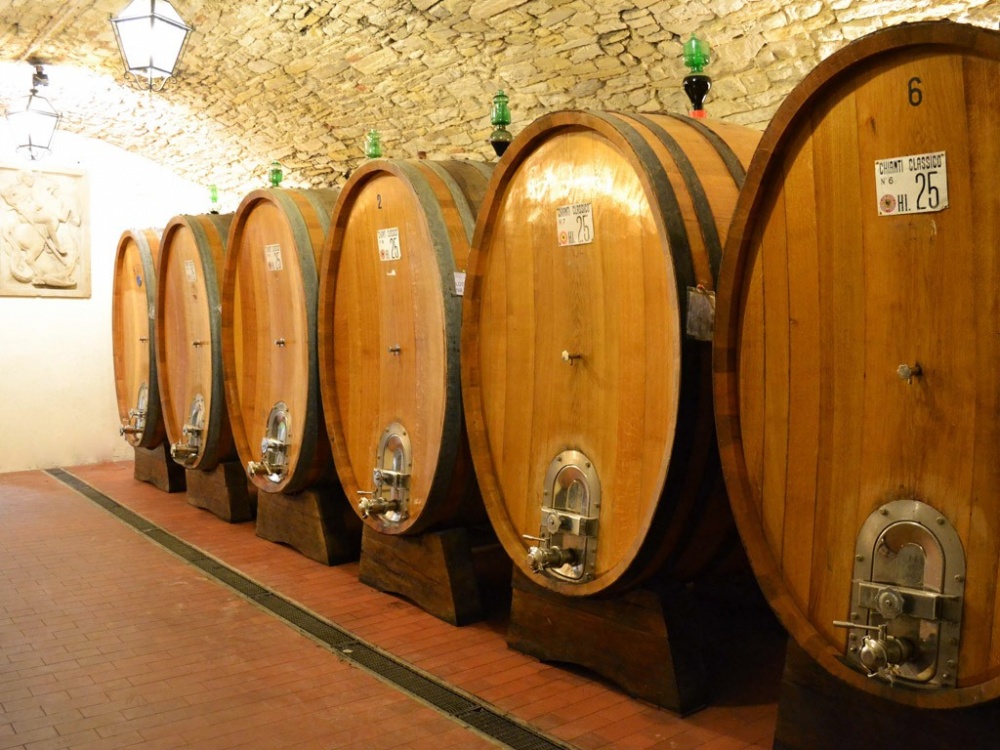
(466, 709)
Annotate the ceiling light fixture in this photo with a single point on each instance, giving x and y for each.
(151, 37)
(34, 124)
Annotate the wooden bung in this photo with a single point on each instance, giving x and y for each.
(189, 340)
(580, 383)
(269, 298)
(389, 333)
(857, 363)
(132, 312)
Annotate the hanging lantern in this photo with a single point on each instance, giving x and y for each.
(151, 37)
(34, 124)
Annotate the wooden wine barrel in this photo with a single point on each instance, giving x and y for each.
(588, 404)
(857, 360)
(132, 313)
(189, 340)
(269, 298)
(390, 323)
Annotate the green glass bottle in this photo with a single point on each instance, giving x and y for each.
(697, 84)
(274, 174)
(373, 144)
(500, 138)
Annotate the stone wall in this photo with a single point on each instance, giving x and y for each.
(302, 80)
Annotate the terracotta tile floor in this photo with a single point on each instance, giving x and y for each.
(109, 641)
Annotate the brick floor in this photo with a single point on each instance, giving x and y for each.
(109, 641)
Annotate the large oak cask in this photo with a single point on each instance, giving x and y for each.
(857, 364)
(189, 340)
(269, 298)
(390, 324)
(588, 402)
(132, 313)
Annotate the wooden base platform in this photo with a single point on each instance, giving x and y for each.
(646, 642)
(224, 491)
(817, 711)
(154, 465)
(442, 572)
(317, 522)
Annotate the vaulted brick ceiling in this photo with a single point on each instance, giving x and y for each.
(303, 80)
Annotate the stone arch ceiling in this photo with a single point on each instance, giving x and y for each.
(302, 80)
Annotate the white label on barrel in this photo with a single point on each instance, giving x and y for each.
(459, 283)
(189, 271)
(272, 253)
(575, 224)
(915, 184)
(388, 244)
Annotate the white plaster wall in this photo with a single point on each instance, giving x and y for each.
(57, 392)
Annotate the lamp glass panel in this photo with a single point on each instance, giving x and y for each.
(166, 45)
(33, 126)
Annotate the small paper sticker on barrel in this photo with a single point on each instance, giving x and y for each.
(575, 224)
(916, 184)
(388, 244)
(459, 283)
(190, 272)
(272, 253)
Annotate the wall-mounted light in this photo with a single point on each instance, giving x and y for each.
(151, 37)
(34, 123)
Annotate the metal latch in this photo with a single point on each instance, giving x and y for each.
(274, 445)
(190, 445)
(566, 545)
(908, 588)
(136, 422)
(393, 462)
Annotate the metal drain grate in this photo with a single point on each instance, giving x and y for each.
(463, 708)
(504, 730)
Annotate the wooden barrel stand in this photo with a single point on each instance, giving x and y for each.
(223, 491)
(817, 711)
(315, 522)
(154, 465)
(646, 641)
(449, 573)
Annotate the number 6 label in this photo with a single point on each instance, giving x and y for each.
(575, 224)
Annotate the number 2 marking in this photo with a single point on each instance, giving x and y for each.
(378, 196)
